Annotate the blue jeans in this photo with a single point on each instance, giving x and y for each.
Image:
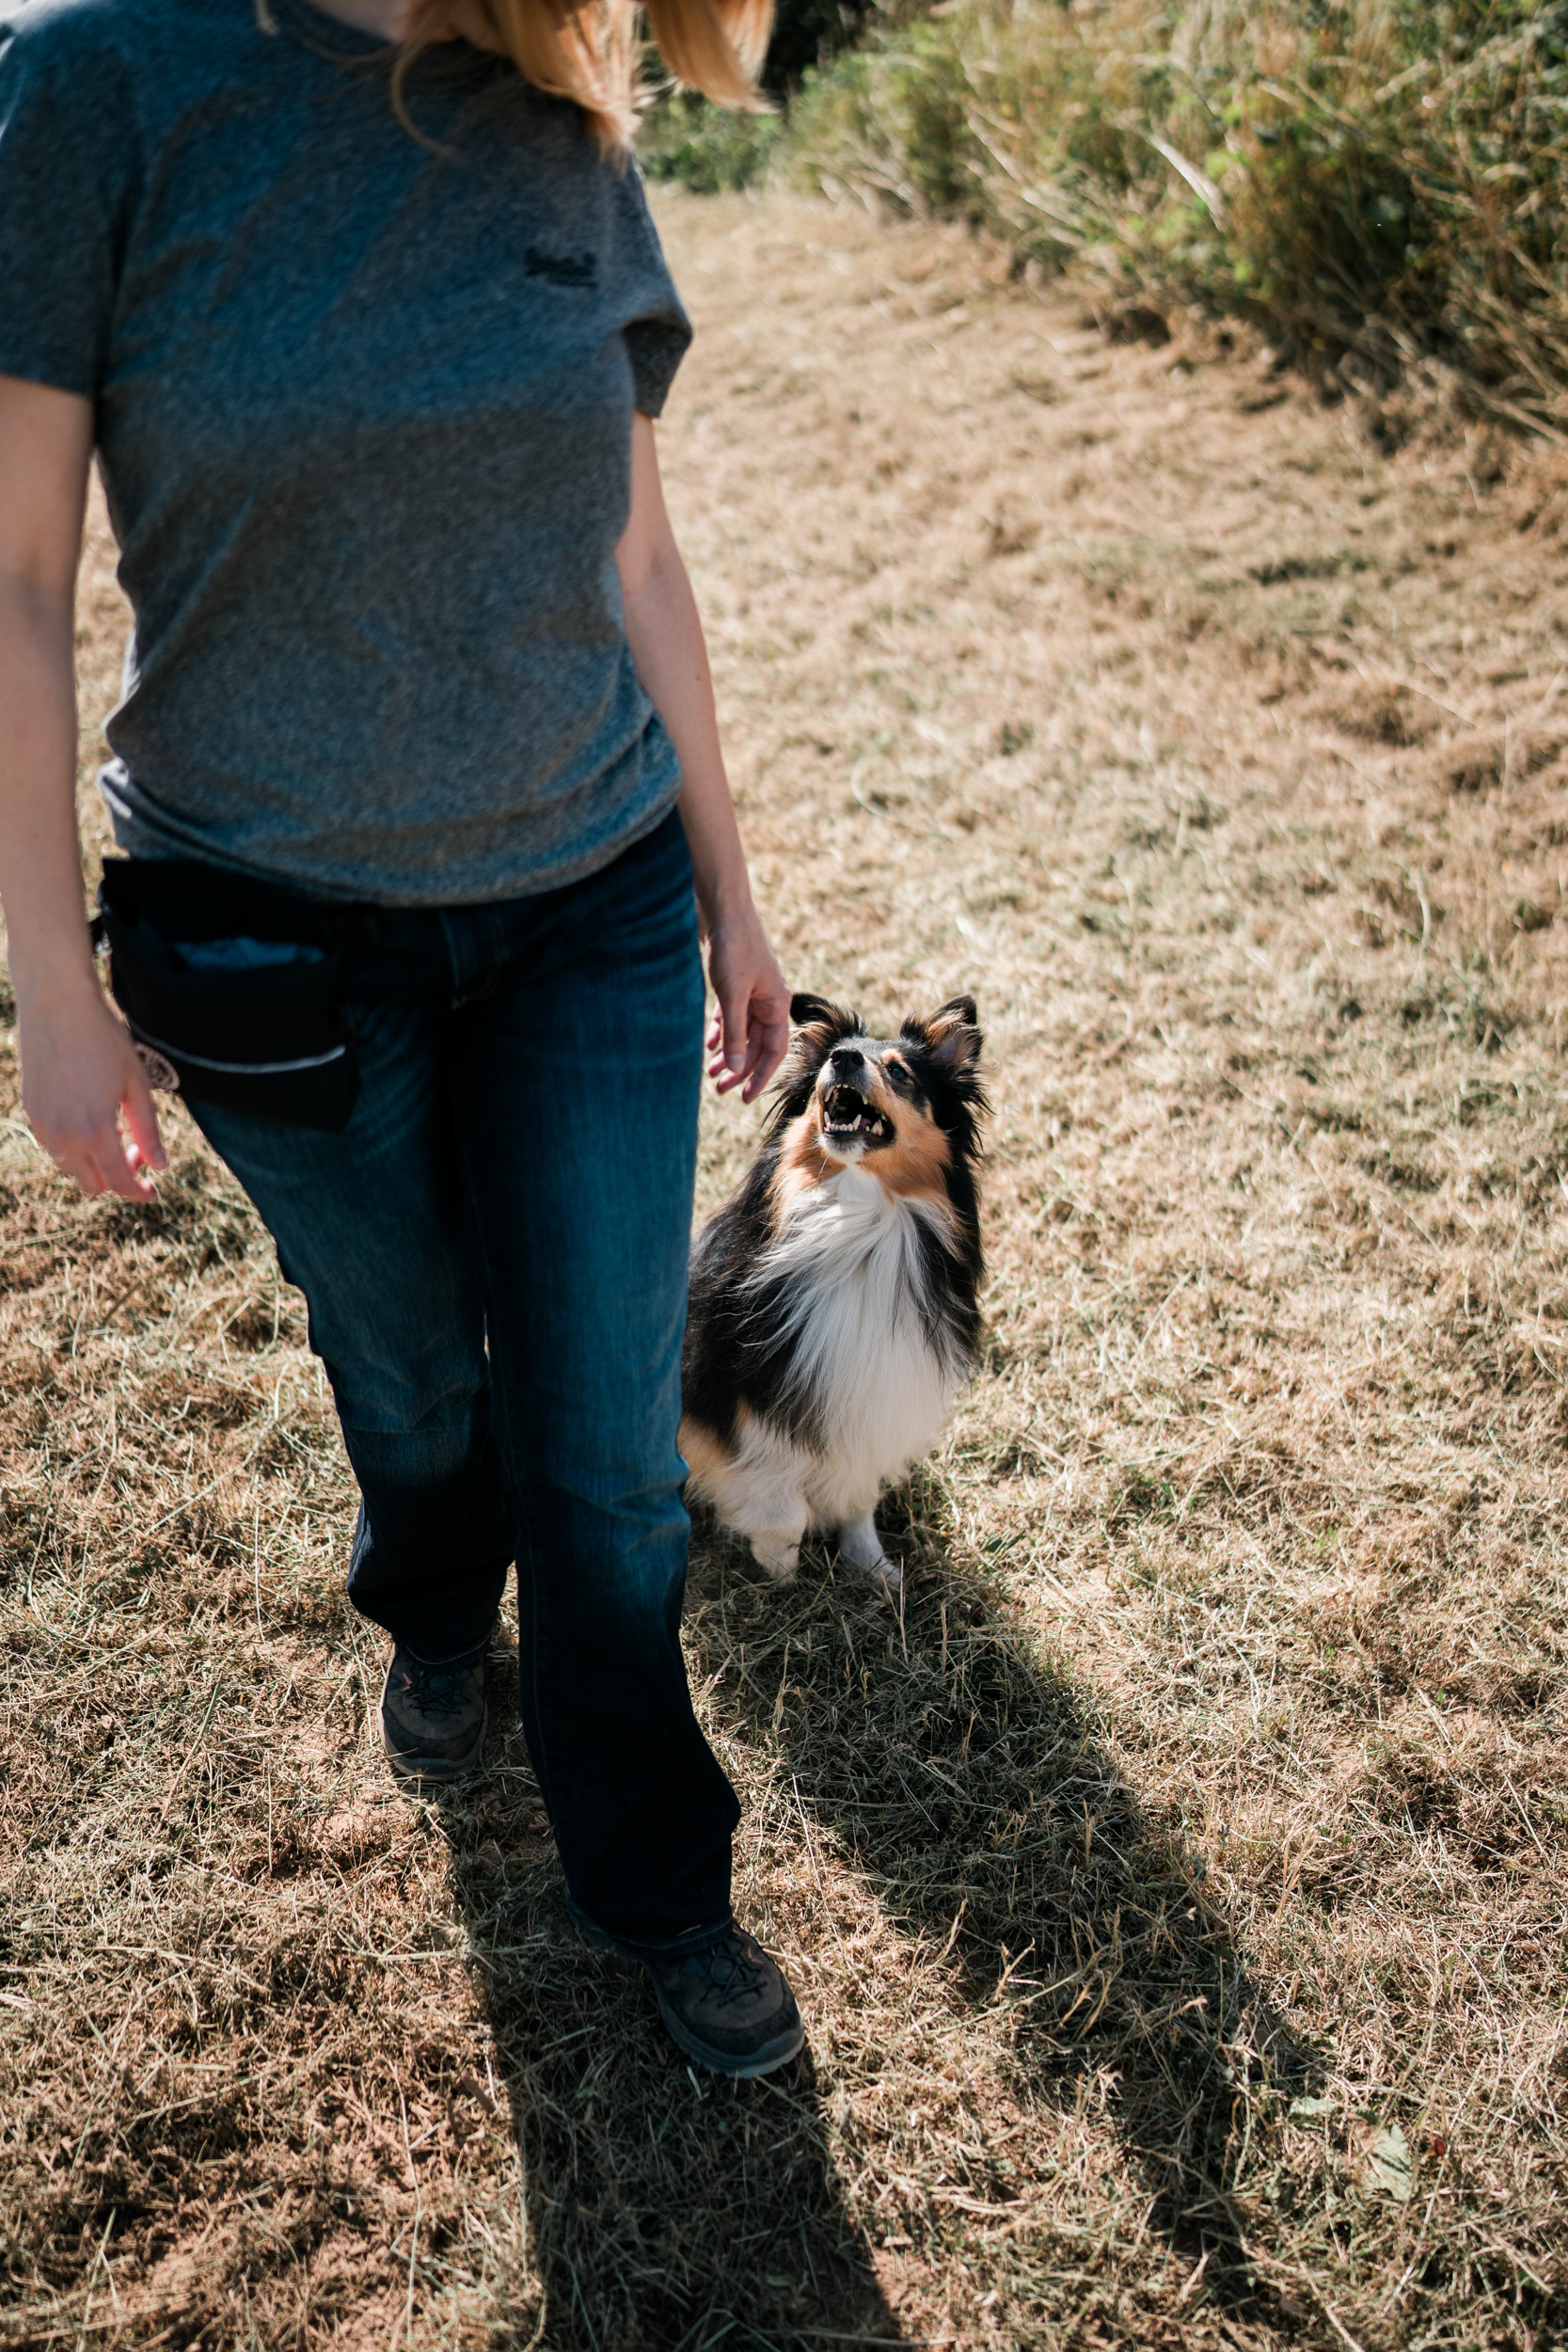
(493, 1257)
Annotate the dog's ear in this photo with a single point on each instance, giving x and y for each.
(951, 1036)
(819, 1024)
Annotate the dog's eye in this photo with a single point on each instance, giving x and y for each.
(898, 1078)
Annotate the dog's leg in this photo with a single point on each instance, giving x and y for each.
(862, 1546)
(761, 1495)
(772, 1518)
(778, 1551)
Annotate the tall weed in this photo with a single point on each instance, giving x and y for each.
(1371, 180)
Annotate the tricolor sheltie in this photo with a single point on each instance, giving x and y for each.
(833, 1309)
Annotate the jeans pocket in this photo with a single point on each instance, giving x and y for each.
(231, 989)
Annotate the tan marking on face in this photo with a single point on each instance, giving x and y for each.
(912, 1167)
(914, 1164)
(802, 1163)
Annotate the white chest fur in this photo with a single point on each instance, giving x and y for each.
(851, 1259)
(845, 1284)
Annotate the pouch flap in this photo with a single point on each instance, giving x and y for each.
(180, 898)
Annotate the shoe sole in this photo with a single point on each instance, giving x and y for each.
(766, 2060)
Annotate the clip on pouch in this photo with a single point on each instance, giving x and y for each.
(231, 989)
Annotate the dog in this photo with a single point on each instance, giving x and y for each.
(834, 1311)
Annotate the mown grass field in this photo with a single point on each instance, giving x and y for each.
(1175, 1886)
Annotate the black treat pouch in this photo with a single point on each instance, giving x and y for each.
(232, 986)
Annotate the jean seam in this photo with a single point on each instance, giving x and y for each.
(556, 1797)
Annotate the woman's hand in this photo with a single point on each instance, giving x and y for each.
(750, 1034)
(81, 1079)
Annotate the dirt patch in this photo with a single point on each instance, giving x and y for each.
(1172, 1889)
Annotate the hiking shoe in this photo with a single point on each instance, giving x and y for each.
(432, 1717)
(728, 2005)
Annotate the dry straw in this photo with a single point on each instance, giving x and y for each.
(1173, 1887)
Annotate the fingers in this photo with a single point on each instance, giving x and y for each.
(765, 1042)
(771, 1035)
(718, 1068)
(79, 1169)
(736, 1026)
(146, 1149)
(731, 1060)
(727, 1075)
(749, 1034)
(740, 1064)
(101, 1160)
(87, 1096)
(102, 1164)
(770, 1055)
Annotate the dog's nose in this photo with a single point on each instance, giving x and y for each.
(847, 1057)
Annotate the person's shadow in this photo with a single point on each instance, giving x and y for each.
(963, 1781)
(667, 2210)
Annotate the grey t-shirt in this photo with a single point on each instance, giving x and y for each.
(364, 405)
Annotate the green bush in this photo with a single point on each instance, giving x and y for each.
(1368, 179)
(707, 148)
(685, 138)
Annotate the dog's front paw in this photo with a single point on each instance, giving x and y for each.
(860, 1545)
(779, 1560)
(889, 1574)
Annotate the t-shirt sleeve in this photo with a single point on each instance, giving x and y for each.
(656, 347)
(659, 333)
(61, 140)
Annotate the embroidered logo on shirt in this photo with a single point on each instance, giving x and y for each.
(562, 269)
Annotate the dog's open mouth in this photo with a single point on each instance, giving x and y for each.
(847, 1116)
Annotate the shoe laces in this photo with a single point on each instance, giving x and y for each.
(437, 1690)
(730, 1972)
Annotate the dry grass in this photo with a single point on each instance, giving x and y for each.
(1174, 1891)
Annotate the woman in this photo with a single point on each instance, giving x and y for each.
(367, 322)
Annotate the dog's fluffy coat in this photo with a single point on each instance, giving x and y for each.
(833, 1305)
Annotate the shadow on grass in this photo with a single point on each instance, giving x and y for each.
(964, 1781)
(667, 2211)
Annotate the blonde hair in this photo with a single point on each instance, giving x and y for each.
(587, 50)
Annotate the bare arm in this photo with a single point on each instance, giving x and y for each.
(80, 1076)
(666, 638)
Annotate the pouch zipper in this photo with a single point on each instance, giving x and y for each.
(237, 1069)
